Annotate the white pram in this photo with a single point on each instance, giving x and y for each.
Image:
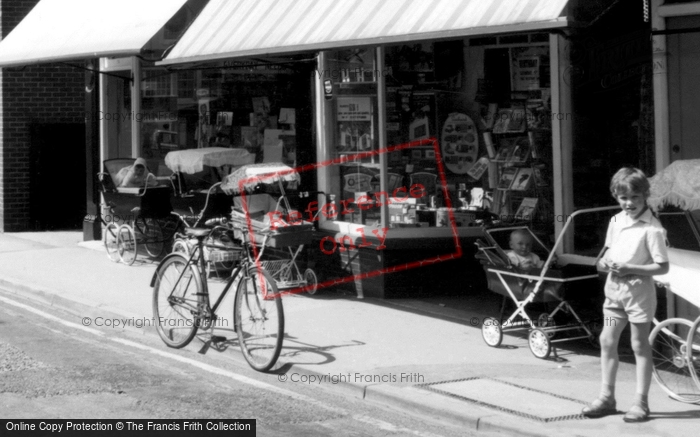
(272, 223)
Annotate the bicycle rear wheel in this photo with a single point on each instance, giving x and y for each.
(671, 370)
(177, 301)
(259, 319)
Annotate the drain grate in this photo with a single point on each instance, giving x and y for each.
(509, 398)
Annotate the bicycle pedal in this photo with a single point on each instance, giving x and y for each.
(217, 339)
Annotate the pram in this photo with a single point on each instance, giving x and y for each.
(196, 173)
(675, 195)
(197, 198)
(272, 223)
(135, 216)
(573, 277)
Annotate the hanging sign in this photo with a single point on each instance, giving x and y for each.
(328, 89)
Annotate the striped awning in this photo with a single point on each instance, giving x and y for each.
(62, 30)
(240, 28)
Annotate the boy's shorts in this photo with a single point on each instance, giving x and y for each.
(629, 301)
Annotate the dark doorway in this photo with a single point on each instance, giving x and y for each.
(57, 189)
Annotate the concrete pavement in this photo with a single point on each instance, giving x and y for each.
(416, 355)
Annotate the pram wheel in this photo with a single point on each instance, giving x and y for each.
(109, 239)
(491, 332)
(153, 234)
(126, 244)
(540, 345)
(311, 281)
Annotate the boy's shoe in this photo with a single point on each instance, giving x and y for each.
(636, 414)
(599, 408)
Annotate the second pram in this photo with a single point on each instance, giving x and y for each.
(277, 229)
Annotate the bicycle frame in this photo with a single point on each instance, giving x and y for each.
(240, 272)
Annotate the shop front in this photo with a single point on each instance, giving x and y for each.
(676, 38)
(415, 117)
(424, 116)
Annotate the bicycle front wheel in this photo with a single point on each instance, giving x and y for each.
(671, 369)
(177, 301)
(259, 319)
(693, 352)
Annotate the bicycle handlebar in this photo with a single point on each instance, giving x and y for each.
(218, 221)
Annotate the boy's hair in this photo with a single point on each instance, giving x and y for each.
(630, 179)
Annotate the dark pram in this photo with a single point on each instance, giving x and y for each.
(134, 215)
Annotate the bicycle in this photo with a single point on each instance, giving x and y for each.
(676, 355)
(181, 304)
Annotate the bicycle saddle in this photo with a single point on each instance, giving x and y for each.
(197, 232)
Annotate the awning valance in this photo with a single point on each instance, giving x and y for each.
(241, 28)
(63, 30)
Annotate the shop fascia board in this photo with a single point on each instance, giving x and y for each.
(679, 9)
(560, 23)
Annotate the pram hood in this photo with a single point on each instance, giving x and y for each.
(192, 161)
(250, 176)
(677, 185)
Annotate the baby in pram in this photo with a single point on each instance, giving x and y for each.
(521, 255)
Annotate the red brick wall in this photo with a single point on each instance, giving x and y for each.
(48, 93)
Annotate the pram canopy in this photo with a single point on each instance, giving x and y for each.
(676, 185)
(250, 176)
(675, 191)
(256, 207)
(192, 161)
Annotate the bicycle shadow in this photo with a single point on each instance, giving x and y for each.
(296, 351)
(299, 349)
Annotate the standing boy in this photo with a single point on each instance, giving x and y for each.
(636, 251)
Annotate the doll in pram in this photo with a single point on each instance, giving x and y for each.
(571, 278)
(277, 229)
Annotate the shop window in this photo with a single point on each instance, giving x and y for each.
(355, 131)
(246, 104)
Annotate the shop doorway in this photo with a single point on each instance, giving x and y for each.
(684, 94)
(57, 191)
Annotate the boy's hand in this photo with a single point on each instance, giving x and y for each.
(620, 269)
(605, 264)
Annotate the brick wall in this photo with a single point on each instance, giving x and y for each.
(48, 93)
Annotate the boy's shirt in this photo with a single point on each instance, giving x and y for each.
(641, 242)
(525, 262)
